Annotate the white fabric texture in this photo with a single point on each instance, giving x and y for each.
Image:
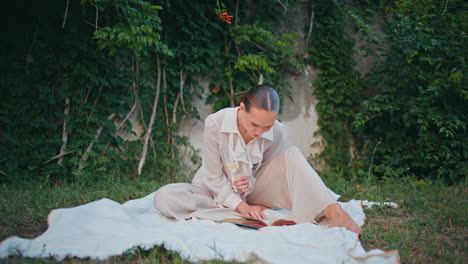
(105, 228)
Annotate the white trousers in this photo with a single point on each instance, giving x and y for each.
(287, 182)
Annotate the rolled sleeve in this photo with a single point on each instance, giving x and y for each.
(232, 200)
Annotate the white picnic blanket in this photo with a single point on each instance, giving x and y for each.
(105, 228)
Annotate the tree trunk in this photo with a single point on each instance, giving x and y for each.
(174, 110)
(64, 130)
(153, 116)
(166, 112)
(183, 77)
(231, 93)
(311, 25)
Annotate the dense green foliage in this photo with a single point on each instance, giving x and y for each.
(409, 115)
(76, 77)
(42, 64)
(419, 117)
(337, 87)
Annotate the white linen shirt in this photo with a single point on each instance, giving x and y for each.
(221, 130)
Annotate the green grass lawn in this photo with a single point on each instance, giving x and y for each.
(429, 226)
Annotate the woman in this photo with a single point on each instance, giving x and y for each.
(266, 173)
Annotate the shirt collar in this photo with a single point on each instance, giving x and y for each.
(229, 124)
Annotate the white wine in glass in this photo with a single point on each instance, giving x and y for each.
(232, 166)
(230, 161)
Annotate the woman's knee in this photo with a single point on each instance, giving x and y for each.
(282, 160)
(292, 152)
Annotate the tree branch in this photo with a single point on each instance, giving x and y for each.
(85, 99)
(152, 118)
(64, 130)
(260, 78)
(237, 11)
(58, 156)
(97, 16)
(183, 78)
(94, 106)
(85, 156)
(231, 93)
(66, 12)
(445, 10)
(136, 69)
(174, 110)
(285, 8)
(166, 112)
(127, 116)
(311, 25)
(89, 23)
(372, 117)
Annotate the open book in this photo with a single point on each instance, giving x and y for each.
(256, 224)
(273, 218)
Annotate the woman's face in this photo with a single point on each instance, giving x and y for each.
(257, 121)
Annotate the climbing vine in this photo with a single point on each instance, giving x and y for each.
(407, 115)
(337, 87)
(89, 75)
(419, 119)
(78, 75)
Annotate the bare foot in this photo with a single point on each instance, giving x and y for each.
(336, 216)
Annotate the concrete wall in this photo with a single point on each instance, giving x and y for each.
(298, 115)
(298, 112)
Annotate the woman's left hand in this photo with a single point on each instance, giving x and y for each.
(251, 211)
(241, 184)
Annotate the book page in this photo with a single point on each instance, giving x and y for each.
(272, 216)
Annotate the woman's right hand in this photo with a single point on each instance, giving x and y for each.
(251, 211)
(241, 184)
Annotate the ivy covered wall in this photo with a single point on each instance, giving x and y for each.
(76, 75)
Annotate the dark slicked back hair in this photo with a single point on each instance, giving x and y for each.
(262, 97)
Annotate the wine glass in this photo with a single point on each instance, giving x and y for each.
(231, 163)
